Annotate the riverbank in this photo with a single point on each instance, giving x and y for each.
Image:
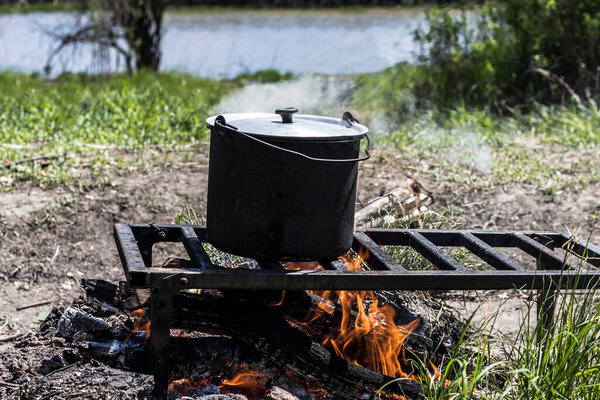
(135, 149)
(209, 44)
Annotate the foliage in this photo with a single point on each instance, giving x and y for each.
(263, 76)
(26, 7)
(560, 362)
(390, 91)
(512, 53)
(8, 6)
(390, 94)
(78, 114)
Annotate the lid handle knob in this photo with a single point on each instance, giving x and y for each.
(286, 114)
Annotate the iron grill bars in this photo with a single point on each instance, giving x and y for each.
(135, 241)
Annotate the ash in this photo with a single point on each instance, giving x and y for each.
(87, 352)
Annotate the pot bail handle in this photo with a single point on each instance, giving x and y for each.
(286, 114)
(220, 122)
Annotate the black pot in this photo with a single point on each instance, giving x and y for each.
(283, 189)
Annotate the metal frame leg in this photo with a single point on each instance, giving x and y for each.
(161, 303)
(546, 303)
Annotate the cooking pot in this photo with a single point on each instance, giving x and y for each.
(283, 186)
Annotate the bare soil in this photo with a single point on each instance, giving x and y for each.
(50, 238)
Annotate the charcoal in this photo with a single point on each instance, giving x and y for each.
(71, 356)
(173, 396)
(51, 363)
(74, 321)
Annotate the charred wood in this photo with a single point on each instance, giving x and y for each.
(266, 330)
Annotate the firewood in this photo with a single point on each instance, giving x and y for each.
(402, 200)
(266, 330)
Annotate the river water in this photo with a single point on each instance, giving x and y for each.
(225, 44)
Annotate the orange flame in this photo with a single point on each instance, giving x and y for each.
(140, 325)
(250, 383)
(371, 339)
(280, 302)
(307, 265)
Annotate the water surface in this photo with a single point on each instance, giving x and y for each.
(225, 44)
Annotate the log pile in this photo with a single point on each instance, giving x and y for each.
(409, 199)
(261, 321)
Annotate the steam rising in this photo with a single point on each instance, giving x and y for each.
(332, 95)
(311, 94)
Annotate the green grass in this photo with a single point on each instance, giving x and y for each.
(562, 362)
(551, 147)
(91, 117)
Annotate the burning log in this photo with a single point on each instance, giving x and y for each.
(321, 318)
(265, 329)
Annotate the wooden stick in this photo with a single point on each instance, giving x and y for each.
(62, 369)
(39, 303)
(11, 337)
(26, 160)
(10, 385)
(382, 203)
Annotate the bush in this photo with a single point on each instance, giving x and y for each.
(512, 54)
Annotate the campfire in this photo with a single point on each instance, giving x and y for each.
(367, 336)
(319, 323)
(313, 330)
(325, 343)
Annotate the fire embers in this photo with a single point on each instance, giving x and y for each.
(252, 384)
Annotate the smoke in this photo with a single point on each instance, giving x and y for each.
(332, 95)
(460, 146)
(311, 94)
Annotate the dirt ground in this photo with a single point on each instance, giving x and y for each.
(49, 239)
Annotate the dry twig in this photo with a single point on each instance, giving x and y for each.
(39, 303)
(27, 160)
(62, 369)
(11, 337)
(551, 76)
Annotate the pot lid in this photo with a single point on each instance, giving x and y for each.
(284, 124)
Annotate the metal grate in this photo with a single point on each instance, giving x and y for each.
(135, 242)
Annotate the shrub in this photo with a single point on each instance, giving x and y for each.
(512, 53)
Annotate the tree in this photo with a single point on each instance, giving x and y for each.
(133, 28)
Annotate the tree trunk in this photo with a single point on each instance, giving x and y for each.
(143, 30)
